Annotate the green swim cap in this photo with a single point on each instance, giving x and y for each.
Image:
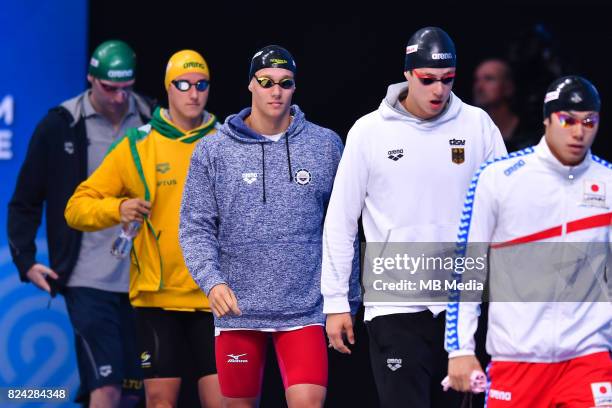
(113, 60)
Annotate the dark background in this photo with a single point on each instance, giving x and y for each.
(347, 54)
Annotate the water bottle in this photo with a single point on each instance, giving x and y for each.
(122, 245)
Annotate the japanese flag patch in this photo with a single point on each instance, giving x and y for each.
(594, 194)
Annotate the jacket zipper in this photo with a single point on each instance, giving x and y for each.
(567, 187)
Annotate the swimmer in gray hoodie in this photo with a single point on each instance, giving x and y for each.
(251, 232)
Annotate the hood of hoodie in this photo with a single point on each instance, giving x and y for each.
(235, 127)
(388, 111)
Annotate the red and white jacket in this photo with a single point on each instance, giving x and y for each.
(531, 197)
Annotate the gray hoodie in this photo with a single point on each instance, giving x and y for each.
(252, 218)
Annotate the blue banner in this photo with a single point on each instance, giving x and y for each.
(42, 63)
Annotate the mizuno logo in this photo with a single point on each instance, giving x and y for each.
(235, 358)
(395, 155)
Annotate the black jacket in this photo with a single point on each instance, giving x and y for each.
(55, 164)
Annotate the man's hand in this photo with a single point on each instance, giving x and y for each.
(459, 371)
(223, 301)
(338, 326)
(38, 273)
(134, 209)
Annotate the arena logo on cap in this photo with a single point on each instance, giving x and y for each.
(120, 73)
(193, 64)
(412, 48)
(551, 96)
(441, 55)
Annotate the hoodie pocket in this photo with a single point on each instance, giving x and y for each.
(279, 278)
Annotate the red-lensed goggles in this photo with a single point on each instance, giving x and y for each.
(427, 79)
(113, 89)
(567, 120)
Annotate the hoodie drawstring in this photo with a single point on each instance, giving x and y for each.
(289, 158)
(263, 167)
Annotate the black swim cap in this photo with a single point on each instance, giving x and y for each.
(430, 47)
(571, 93)
(271, 56)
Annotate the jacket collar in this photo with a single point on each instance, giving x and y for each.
(551, 162)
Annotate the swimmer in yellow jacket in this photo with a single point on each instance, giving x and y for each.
(141, 180)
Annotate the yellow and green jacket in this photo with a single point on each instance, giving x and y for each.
(151, 163)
